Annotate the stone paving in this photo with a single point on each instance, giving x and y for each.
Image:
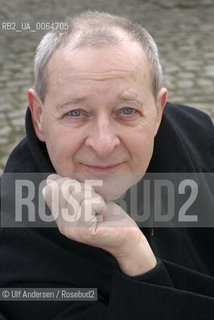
(183, 30)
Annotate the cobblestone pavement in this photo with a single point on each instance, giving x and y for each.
(184, 31)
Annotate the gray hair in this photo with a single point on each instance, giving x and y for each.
(92, 28)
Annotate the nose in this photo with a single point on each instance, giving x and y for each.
(103, 138)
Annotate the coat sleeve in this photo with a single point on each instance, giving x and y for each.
(167, 292)
(171, 292)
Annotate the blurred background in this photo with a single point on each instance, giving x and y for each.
(183, 30)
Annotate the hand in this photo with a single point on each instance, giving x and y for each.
(82, 215)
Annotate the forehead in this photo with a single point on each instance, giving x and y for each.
(127, 59)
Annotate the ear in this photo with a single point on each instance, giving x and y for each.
(36, 108)
(161, 101)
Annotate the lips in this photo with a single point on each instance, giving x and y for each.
(102, 168)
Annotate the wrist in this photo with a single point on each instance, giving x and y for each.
(137, 259)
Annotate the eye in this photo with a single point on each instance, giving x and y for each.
(75, 113)
(128, 114)
(128, 111)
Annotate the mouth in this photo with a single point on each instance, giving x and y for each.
(108, 168)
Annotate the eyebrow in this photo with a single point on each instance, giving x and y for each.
(70, 101)
(130, 98)
(123, 96)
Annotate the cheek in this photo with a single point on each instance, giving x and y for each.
(140, 146)
(62, 143)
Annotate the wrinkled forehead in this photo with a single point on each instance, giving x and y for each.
(126, 59)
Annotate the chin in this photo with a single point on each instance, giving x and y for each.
(109, 195)
(111, 186)
(113, 189)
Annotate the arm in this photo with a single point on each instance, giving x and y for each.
(168, 291)
(165, 291)
(138, 279)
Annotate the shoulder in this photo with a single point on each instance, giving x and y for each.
(183, 116)
(194, 127)
(18, 158)
(184, 142)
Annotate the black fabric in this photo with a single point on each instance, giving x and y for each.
(2, 317)
(180, 287)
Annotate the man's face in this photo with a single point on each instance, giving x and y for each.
(100, 116)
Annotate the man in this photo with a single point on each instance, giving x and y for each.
(94, 114)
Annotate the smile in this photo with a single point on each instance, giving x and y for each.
(102, 168)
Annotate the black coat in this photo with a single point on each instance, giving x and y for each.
(180, 287)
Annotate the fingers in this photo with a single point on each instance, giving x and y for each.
(73, 200)
(82, 215)
(53, 177)
(93, 209)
